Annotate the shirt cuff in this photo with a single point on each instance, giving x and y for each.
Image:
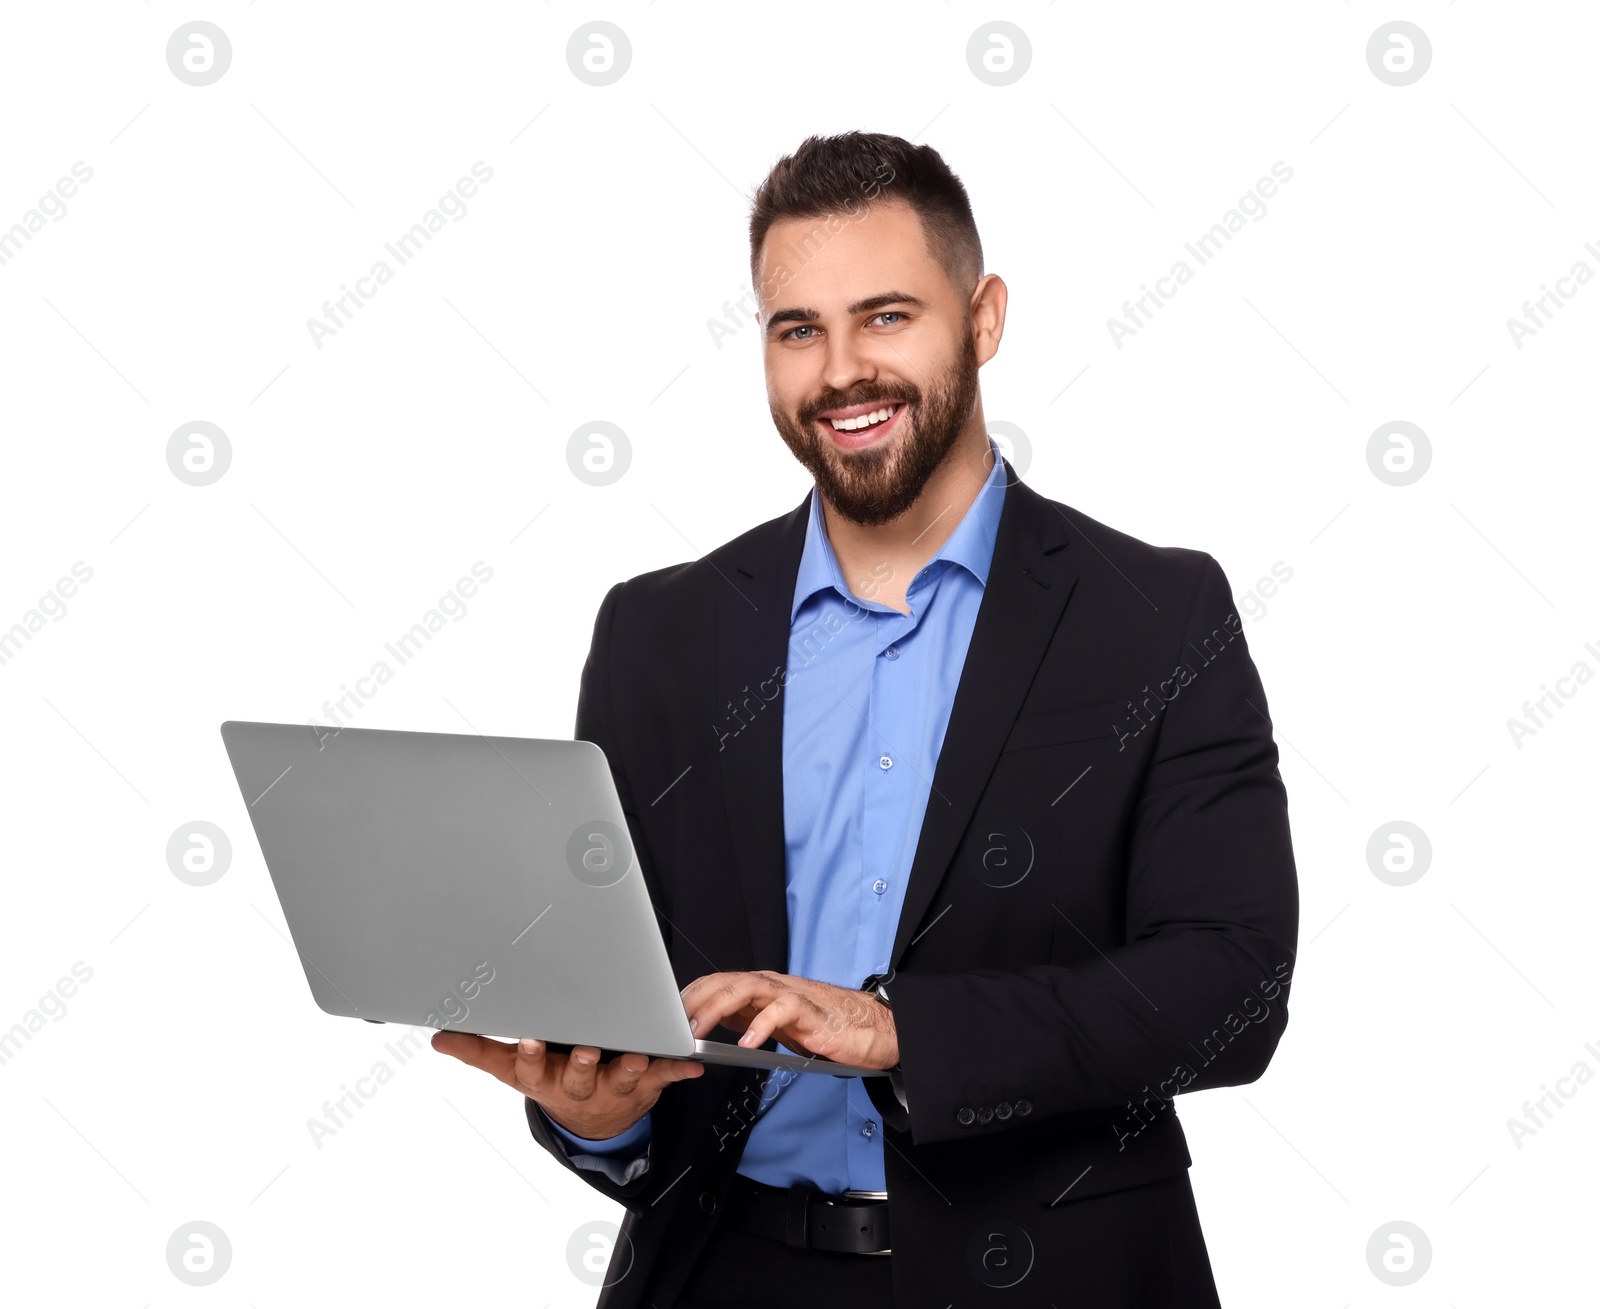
(621, 1158)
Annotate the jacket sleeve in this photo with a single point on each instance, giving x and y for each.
(1195, 994)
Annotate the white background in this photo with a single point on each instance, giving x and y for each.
(370, 473)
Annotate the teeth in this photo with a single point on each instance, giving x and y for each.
(865, 420)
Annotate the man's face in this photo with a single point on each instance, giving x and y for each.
(872, 372)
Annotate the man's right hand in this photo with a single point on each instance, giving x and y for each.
(578, 1092)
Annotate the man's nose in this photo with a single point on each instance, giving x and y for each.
(845, 365)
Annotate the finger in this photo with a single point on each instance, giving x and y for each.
(696, 993)
(762, 1025)
(697, 989)
(579, 1077)
(664, 1072)
(796, 1020)
(533, 1066)
(494, 1057)
(726, 994)
(622, 1074)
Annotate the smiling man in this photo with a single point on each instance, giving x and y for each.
(949, 780)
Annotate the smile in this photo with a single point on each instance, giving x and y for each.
(861, 425)
(865, 420)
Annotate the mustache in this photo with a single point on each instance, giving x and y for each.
(895, 393)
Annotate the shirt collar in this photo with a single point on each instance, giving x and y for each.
(971, 544)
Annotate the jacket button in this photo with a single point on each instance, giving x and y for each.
(965, 1116)
(985, 1114)
(708, 1201)
(1002, 1111)
(1024, 1108)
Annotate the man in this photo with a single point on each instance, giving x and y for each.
(933, 728)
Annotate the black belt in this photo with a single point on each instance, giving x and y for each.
(805, 1218)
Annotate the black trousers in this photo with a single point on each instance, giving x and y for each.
(1091, 1270)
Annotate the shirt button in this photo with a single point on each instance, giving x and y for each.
(965, 1116)
(880, 886)
(885, 763)
(893, 652)
(867, 1129)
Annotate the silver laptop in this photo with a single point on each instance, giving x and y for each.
(482, 884)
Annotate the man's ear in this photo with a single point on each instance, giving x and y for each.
(988, 310)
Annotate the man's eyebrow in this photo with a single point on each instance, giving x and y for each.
(791, 316)
(881, 301)
(866, 306)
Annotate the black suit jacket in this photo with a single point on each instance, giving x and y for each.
(1101, 912)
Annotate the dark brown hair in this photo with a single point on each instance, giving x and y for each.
(829, 174)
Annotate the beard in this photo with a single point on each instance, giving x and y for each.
(876, 485)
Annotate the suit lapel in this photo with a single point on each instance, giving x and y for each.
(752, 651)
(1030, 581)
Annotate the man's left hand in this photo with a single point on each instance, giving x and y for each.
(848, 1027)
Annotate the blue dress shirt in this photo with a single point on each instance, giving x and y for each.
(865, 707)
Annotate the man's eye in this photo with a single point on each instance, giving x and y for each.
(785, 336)
(890, 313)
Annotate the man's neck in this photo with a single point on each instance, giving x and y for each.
(878, 563)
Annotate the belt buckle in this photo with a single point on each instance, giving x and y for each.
(869, 1195)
